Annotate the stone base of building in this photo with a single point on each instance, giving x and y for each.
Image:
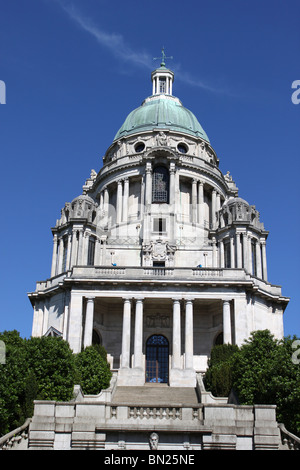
(134, 377)
(153, 416)
(182, 378)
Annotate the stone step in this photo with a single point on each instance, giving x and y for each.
(158, 394)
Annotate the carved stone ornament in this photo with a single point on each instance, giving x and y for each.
(161, 139)
(153, 441)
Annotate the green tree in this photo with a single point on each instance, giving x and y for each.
(218, 377)
(52, 362)
(45, 369)
(263, 373)
(94, 373)
(12, 381)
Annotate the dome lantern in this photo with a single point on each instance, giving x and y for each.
(162, 78)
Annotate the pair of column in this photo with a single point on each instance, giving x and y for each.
(189, 334)
(138, 334)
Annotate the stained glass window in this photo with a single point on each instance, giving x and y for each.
(160, 185)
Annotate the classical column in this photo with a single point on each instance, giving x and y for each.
(46, 316)
(68, 262)
(176, 357)
(213, 208)
(105, 201)
(119, 201)
(222, 257)
(142, 205)
(226, 322)
(194, 201)
(101, 203)
(218, 202)
(232, 252)
(80, 247)
(38, 319)
(75, 323)
(258, 260)
(74, 248)
(189, 334)
(238, 250)
(66, 315)
(148, 199)
(125, 361)
(89, 319)
(54, 256)
(264, 261)
(200, 204)
(98, 260)
(214, 253)
(60, 255)
(85, 250)
(125, 200)
(245, 250)
(172, 184)
(138, 334)
(249, 248)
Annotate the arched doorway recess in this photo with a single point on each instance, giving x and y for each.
(157, 359)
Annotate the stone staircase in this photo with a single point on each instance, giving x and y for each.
(154, 395)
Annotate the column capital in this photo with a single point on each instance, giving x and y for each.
(90, 298)
(189, 299)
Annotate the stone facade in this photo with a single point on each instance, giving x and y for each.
(133, 420)
(159, 243)
(158, 260)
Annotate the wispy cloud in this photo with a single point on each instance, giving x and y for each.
(114, 42)
(117, 45)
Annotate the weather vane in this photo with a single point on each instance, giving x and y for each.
(163, 57)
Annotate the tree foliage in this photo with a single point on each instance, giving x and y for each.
(261, 371)
(94, 373)
(45, 369)
(218, 378)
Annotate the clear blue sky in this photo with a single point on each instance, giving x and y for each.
(74, 69)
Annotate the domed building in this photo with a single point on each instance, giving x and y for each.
(159, 259)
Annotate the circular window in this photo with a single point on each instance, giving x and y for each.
(182, 148)
(139, 147)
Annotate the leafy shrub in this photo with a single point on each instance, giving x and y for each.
(45, 369)
(94, 373)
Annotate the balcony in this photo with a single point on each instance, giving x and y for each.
(156, 275)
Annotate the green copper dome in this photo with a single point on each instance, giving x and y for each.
(161, 112)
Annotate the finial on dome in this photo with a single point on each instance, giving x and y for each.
(162, 58)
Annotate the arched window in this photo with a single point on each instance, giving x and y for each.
(157, 359)
(96, 339)
(91, 251)
(218, 339)
(160, 185)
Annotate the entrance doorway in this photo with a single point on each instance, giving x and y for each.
(157, 359)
